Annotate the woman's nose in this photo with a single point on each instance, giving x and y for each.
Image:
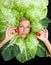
(24, 29)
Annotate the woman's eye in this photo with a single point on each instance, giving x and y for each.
(28, 27)
(21, 26)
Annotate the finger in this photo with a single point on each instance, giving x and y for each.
(46, 30)
(38, 37)
(14, 34)
(10, 27)
(46, 33)
(10, 30)
(43, 30)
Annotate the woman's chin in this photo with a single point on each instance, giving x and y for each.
(23, 37)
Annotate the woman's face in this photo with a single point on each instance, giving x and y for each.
(24, 28)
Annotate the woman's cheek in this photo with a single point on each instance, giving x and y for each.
(28, 30)
(21, 30)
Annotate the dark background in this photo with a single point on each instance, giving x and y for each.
(36, 60)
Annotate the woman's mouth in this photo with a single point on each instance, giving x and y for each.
(23, 35)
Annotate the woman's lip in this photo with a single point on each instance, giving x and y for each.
(23, 34)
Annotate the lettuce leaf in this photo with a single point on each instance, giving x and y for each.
(10, 13)
(28, 47)
(36, 14)
(10, 49)
(3, 27)
(36, 27)
(44, 22)
(42, 50)
(7, 3)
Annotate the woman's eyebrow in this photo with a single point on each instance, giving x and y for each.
(23, 25)
(27, 26)
(20, 25)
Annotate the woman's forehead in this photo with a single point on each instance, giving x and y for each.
(26, 22)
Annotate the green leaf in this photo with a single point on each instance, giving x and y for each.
(7, 3)
(10, 50)
(28, 48)
(9, 16)
(42, 50)
(36, 14)
(3, 27)
(2, 35)
(45, 22)
(36, 27)
(10, 13)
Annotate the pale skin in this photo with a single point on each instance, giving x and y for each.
(24, 29)
(8, 35)
(44, 37)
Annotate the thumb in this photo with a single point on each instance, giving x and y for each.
(38, 37)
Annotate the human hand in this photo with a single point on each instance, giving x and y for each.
(43, 35)
(10, 32)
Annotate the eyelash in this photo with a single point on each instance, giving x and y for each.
(22, 26)
(28, 27)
